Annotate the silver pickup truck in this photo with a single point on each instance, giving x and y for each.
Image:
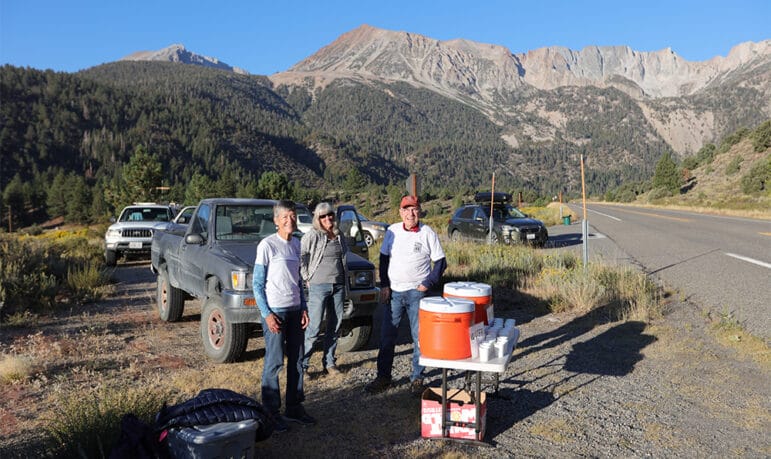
(211, 258)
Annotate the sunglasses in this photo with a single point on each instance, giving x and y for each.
(332, 216)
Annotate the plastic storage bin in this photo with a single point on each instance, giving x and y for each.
(221, 440)
(443, 331)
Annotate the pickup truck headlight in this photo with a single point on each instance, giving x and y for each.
(363, 279)
(239, 280)
(113, 232)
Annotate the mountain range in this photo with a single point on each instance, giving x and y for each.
(388, 103)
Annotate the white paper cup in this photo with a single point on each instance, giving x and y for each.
(485, 351)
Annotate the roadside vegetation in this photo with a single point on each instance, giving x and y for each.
(731, 177)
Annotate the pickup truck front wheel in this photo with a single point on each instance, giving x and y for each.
(223, 341)
(170, 300)
(354, 334)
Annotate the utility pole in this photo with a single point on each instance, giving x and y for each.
(490, 220)
(585, 222)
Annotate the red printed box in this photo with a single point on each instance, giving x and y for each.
(460, 409)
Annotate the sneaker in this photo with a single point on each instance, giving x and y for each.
(417, 387)
(299, 416)
(378, 385)
(279, 426)
(333, 371)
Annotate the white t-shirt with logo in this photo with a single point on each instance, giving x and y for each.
(411, 255)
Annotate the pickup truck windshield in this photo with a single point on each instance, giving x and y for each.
(245, 223)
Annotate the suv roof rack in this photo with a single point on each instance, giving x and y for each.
(486, 196)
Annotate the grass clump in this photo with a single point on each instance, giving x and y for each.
(556, 278)
(88, 425)
(87, 281)
(14, 368)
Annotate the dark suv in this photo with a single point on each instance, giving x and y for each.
(510, 226)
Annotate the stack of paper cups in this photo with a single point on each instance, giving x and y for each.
(485, 351)
(475, 341)
(501, 346)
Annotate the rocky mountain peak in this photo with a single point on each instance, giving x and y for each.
(462, 67)
(178, 53)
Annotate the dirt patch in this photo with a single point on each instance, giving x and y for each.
(577, 385)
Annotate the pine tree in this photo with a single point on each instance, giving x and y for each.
(667, 174)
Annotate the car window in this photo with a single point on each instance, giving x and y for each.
(185, 215)
(363, 218)
(467, 213)
(243, 223)
(304, 215)
(513, 212)
(145, 214)
(201, 221)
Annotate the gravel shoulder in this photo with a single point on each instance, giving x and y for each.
(576, 386)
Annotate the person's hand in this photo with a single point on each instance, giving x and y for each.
(385, 294)
(274, 323)
(422, 288)
(305, 320)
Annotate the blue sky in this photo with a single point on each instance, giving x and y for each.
(267, 37)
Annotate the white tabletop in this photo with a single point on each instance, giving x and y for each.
(497, 365)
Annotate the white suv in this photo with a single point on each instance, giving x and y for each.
(132, 232)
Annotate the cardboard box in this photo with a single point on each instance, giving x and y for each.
(460, 409)
(222, 440)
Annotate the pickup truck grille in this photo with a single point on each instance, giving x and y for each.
(137, 232)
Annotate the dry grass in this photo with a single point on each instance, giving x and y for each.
(731, 334)
(15, 368)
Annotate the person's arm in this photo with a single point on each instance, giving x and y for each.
(436, 273)
(305, 256)
(259, 278)
(385, 260)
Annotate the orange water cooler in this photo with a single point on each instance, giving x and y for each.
(444, 327)
(481, 294)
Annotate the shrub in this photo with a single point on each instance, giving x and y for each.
(734, 166)
(758, 177)
(88, 425)
(761, 137)
(14, 368)
(33, 270)
(86, 281)
(659, 193)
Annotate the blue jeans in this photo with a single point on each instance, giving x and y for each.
(290, 336)
(324, 299)
(401, 302)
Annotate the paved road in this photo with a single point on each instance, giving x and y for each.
(722, 263)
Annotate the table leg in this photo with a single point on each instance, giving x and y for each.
(477, 402)
(445, 427)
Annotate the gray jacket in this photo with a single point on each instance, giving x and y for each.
(312, 248)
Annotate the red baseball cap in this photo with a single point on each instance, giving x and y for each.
(409, 201)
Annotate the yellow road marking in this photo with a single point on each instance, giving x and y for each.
(655, 215)
(765, 234)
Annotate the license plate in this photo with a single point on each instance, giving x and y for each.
(135, 245)
(531, 236)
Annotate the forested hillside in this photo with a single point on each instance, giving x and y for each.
(67, 140)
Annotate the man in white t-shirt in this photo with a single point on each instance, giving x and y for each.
(409, 248)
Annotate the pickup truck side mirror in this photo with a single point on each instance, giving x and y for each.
(194, 239)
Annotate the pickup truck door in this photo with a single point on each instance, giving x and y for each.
(191, 255)
(350, 227)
